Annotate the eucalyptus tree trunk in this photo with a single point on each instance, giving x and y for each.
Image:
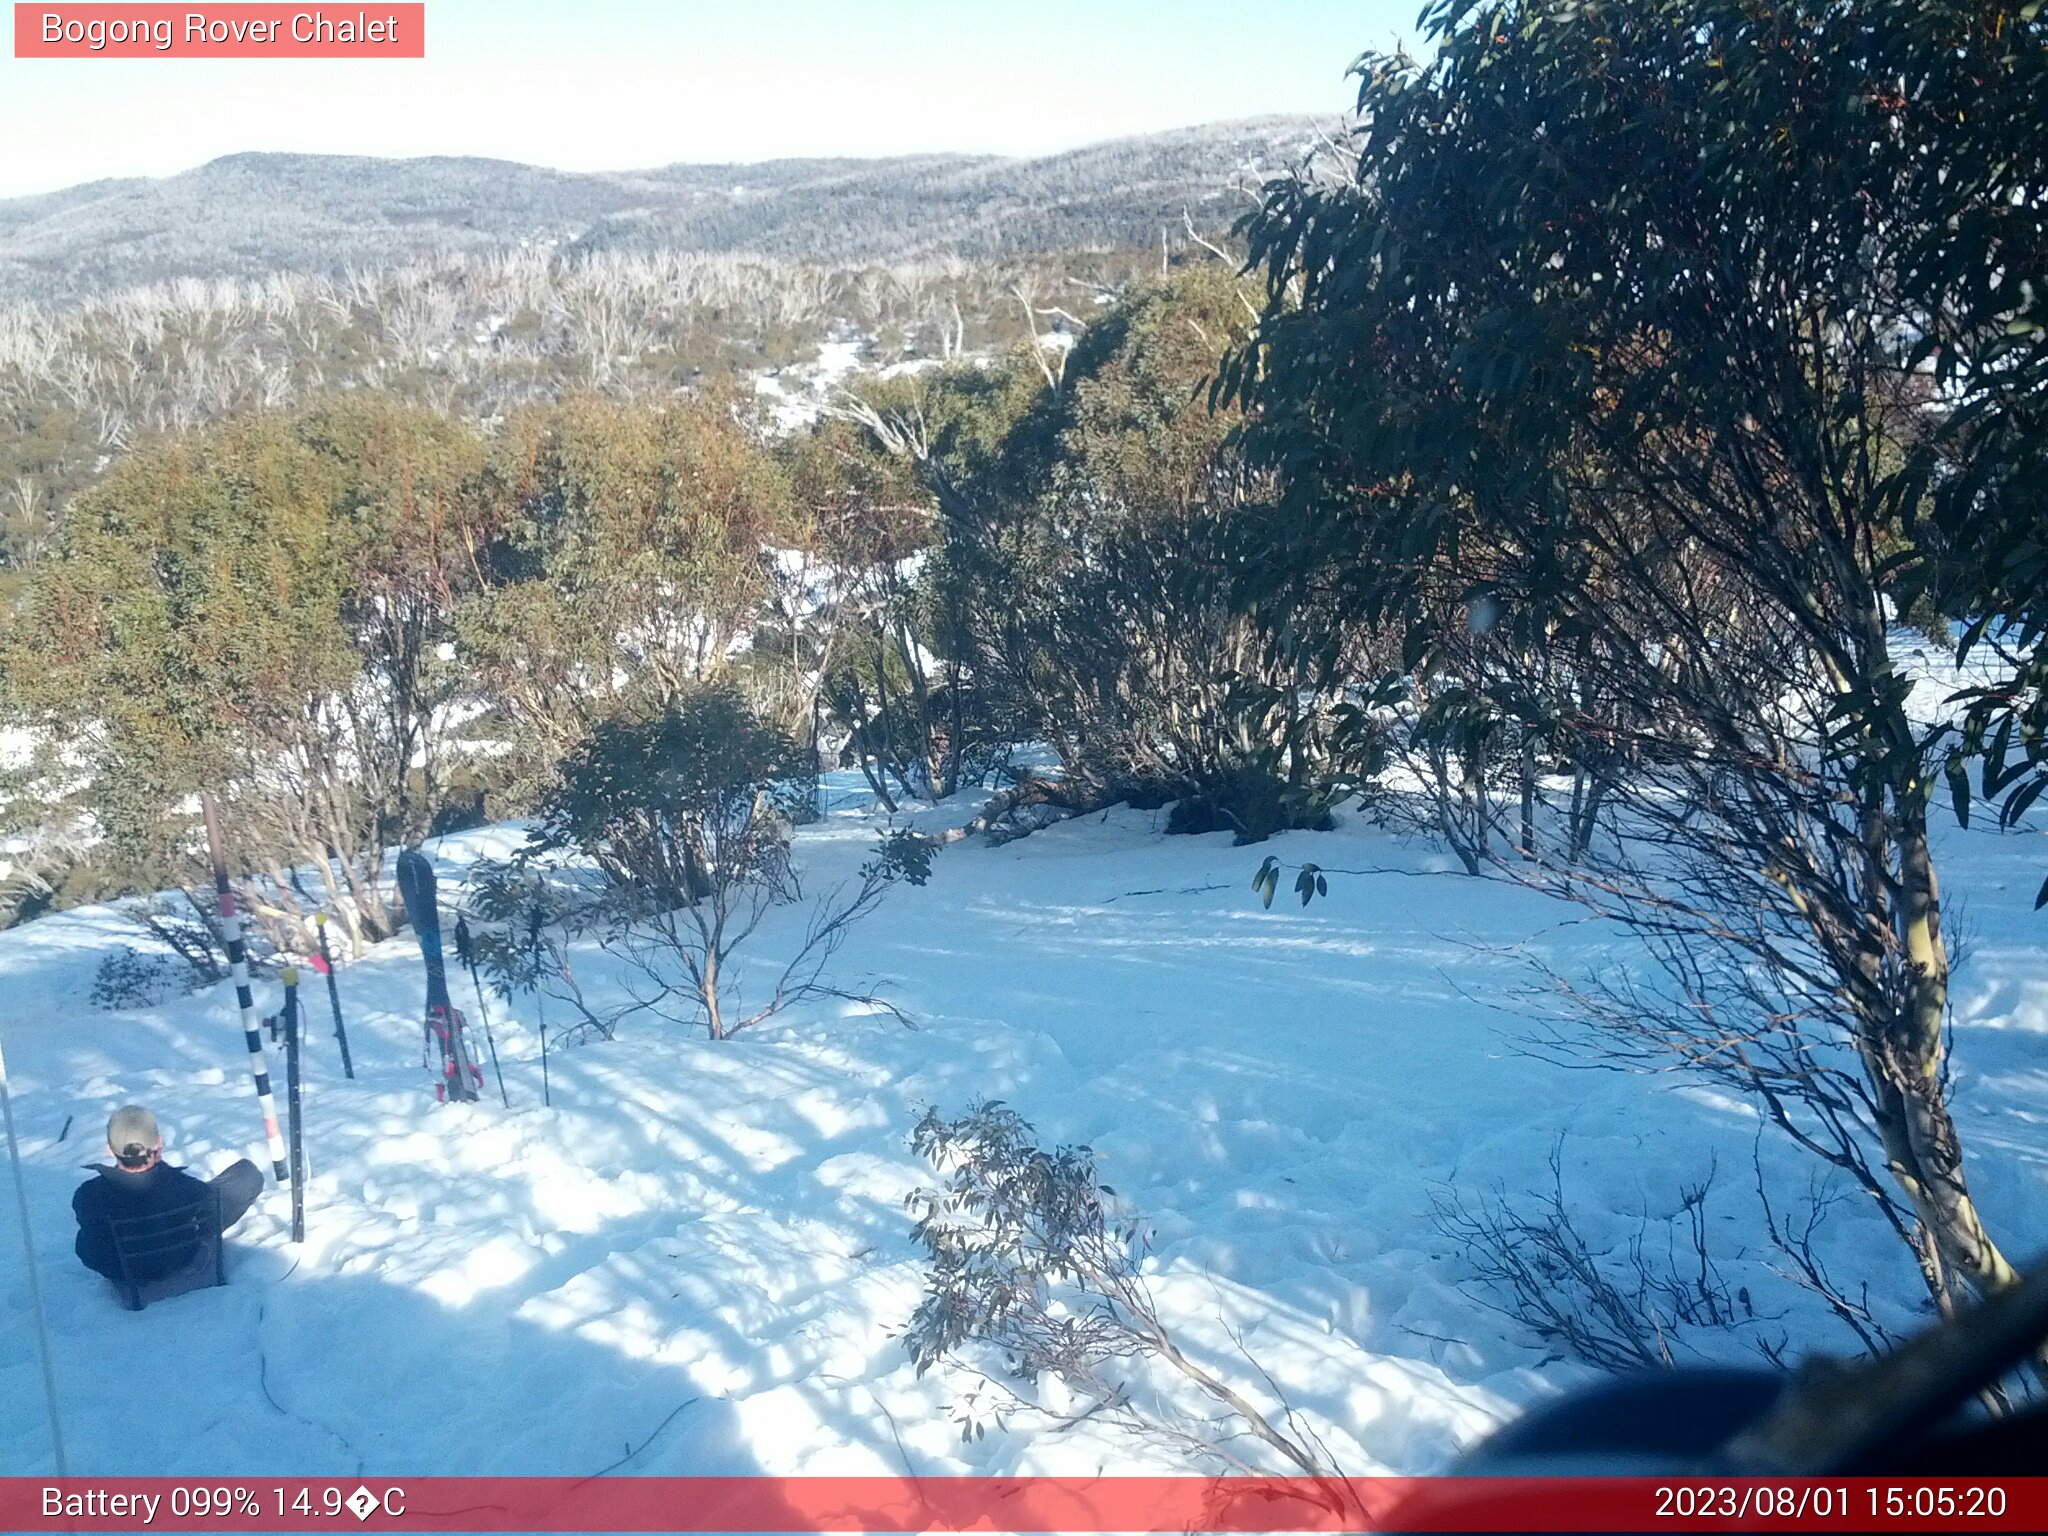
(708, 988)
(1905, 1056)
(1528, 791)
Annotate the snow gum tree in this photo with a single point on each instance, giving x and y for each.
(688, 813)
(946, 459)
(628, 558)
(873, 651)
(1094, 528)
(679, 811)
(1619, 328)
(257, 611)
(407, 520)
(1976, 493)
(186, 635)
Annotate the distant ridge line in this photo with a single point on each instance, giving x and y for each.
(255, 212)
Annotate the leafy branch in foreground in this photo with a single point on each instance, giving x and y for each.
(1029, 1259)
(1308, 884)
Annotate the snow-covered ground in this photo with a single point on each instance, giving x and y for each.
(722, 1226)
(798, 394)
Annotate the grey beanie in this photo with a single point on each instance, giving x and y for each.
(132, 1134)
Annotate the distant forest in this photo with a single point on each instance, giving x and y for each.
(141, 308)
(250, 215)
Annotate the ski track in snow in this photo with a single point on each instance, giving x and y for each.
(1277, 1092)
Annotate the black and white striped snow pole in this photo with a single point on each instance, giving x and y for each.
(238, 968)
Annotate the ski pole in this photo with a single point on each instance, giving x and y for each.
(291, 1098)
(540, 1008)
(35, 1286)
(238, 968)
(540, 1005)
(348, 1067)
(465, 951)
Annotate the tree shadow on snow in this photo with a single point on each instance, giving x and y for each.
(286, 1371)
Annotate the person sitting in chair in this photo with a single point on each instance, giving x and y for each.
(141, 1183)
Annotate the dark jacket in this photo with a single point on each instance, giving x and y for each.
(118, 1195)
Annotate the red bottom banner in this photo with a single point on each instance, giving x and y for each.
(1023, 1504)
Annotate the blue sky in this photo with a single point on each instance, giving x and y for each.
(613, 84)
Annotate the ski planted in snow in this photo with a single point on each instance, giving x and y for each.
(459, 1079)
(416, 887)
(445, 1047)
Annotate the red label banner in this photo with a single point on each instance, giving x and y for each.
(1023, 1504)
(379, 31)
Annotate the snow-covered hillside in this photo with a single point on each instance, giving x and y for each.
(721, 1225)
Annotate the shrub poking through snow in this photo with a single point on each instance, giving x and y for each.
(680, 806)
(127, 978)
(687, 814)
(529, 915)
(190, 955)
(1617, 1312)
(1030, 1259)
(1013, 1223)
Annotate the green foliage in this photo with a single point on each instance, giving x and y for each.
(624, 559)
(192, 605)
(687, 814)
(507, 899)
(677, 805)
(1096, 530)
(1137, 430)
(1978, 489)
(529, 913)
(126, 978)
(1710, 279)
(1628, 386)
(904, 488)
(260, 611)
(405, 519)
(1012, 1222)
(903, 855)
(1309, 881)
(1254, 803)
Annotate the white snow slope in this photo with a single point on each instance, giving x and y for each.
(721, 1225)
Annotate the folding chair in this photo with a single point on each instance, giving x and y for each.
(142, 1243)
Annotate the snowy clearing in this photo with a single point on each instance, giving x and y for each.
(722, 1225)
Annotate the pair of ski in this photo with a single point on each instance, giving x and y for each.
(445, 1046)
(461, 1077)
